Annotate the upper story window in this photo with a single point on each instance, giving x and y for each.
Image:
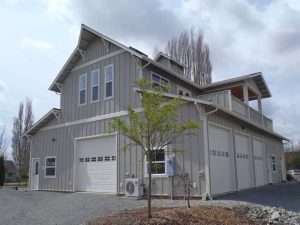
(50, 166)
(95, 84)
(109, 81)
(82, 89)
(158, 81)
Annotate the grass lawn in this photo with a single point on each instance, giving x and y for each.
(204, 215)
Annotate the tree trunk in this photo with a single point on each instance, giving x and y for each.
(149, 186)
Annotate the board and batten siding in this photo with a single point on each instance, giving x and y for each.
(59, 142)
(126, 72)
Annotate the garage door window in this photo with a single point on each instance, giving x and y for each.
(273, 163)
(50, 167)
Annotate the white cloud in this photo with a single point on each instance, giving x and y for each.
(28, 42)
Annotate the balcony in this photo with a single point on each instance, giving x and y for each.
(226, 100)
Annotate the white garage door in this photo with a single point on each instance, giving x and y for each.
(220, 163)
(97, 164)
(243, 165)
(259, 163)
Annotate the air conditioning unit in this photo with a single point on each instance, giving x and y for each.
(134, 187)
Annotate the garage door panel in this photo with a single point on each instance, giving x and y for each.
(220, 163)
(260, 163)
(243, 164)
(97, 165)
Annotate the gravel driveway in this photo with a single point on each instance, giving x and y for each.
(52, 208)
(285, 196)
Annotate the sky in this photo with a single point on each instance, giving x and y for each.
(244, 36)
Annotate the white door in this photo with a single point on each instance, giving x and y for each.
(97, 164)
(220, 163)
(243, 165)
(35, 171)
(259, 163)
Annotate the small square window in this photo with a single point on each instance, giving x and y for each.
(87, 159)
(100, 158)
(113, 158)
(107, 158)
(81, 160)
(93, 159)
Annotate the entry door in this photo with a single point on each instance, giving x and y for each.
(35, 171)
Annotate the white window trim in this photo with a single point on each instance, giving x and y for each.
(113, 75)
(156, 174)
(92, 85)
(45, 166)
(161, 77)
(85, 88)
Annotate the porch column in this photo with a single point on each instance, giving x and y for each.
(259, 105)
(245, 94)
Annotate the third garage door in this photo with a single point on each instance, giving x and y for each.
(259, 162)
(243, 165)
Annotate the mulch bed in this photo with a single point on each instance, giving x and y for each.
(179, 216)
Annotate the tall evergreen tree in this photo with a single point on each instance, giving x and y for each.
(2, 170)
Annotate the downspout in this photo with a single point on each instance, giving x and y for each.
(207, 194)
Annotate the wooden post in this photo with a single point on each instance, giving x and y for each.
(246, 98)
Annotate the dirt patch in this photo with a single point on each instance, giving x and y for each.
(179, 216)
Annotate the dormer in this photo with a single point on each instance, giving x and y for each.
(169, 63)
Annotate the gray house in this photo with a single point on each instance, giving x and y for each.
(73, 148)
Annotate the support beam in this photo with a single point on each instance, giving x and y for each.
(245, 93)
(259, 104)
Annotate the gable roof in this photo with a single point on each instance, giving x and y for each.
(163, 55)
(87, 34)
(52, 114)
(256, 77)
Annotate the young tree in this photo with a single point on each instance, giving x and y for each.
(3, 141)
(154, 128)
(2, 170)
(20, 142)
(190, 50)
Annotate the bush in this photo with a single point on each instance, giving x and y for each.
(2, 170)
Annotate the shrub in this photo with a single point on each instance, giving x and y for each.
(2, 170)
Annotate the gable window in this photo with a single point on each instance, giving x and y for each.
(158, 82)
(273, 163)
(109, 79)
(95, 83)
(82, 89)
(50, 166)
(158, 162)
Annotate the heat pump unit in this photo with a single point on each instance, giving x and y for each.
(134, 187)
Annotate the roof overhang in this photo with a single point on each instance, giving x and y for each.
(256, 77)
(52, 114)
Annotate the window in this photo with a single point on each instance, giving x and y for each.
(109, 79)
(50, 166)
(158, 162)
(158, 82)
(87, 159)
(273, 163)
(107, 158)
(81, 160)
(95, 84)
(93, 159)
(113, 158)
(183, 92)
(82, 89)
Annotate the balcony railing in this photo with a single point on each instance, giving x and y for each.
(226, 100)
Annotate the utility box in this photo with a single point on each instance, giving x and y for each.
(171, 166)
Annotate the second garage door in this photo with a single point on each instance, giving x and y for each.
(243, 166)
(97, 164)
